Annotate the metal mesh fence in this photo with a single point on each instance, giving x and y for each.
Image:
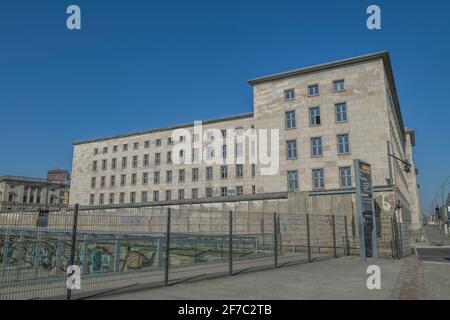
(121, 248)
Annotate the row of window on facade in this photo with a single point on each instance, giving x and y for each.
(224, 192)
(314, 116)
(343, 146)
(318, 178)
(158, 142)
(314, 90)
(210, 154)
(239, 173)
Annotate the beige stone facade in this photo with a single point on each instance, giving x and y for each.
(359, 119)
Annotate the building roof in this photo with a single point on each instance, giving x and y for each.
(29, 180)
(384, 55)
(168, 128)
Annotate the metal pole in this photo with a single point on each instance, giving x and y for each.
(230, 248)
(333, 221)
(308, 237)
(347, 251)
(73, 244)
(19, 255)
(275, 242)
(166, 272)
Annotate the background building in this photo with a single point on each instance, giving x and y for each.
(327, 115)
(24, 193)
(58, 175)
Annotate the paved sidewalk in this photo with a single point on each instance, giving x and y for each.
(343, 279)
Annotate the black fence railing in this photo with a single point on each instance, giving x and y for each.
(131, 248)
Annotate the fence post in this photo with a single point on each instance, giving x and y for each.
(5, 251)
(333, 221)
(59, 254)
(230, 244)
(37, 249)
(279, 238)
(73, 244)
(166, 265)
(347, 249)
(275, 242)
(19, 255)
(308, 237)
(117, 254)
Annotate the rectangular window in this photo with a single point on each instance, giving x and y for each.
(144, 178)
(209, 152)
(91, 199)
(169, 176)
(253, 189)
(194, 174)
(345, 176)
(156, 177)
(115, 148)
(168, 195)
(316, 147)
(291, 149)
(314, 116)
(132, 197)
(239, 131)
(157, 159)
(313, 90)
(93, 182)
(181, 175)
(133, 179)
(209, 173)
(123, 180)
(209, 136)
(239, 190)
(224, 151)
(146, 160)
(194, 193)
(144, 197)
(289, 94)
(101, 199)
(113, 163)
(146, 144)
(239, 171)
(155, 196)
(124, 162)
(253, 170)
(181, 194)
(122, 198)
(224, 133)
(239, 150)
(158, 142)
(95, 151)
(169, 157)
(343, 144)
(94, 165)
(105, 150)
(135, 161)
(292, 180)
(135, 145)
(290, 120)
(125, 147)
(195, 155)
(169, 141)
(318, 179)
(208, 192)
(341, 112)
(104, 164)
(111, 198)
(339, 85)
(223, 172)
(196, 137)
(102, 182)
(112, 181)
(223, 191)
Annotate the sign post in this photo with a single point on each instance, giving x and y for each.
(366, 210)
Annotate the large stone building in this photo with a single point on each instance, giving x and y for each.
(325, 116)
(25, 193)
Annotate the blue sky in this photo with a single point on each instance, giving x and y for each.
(134, 60)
